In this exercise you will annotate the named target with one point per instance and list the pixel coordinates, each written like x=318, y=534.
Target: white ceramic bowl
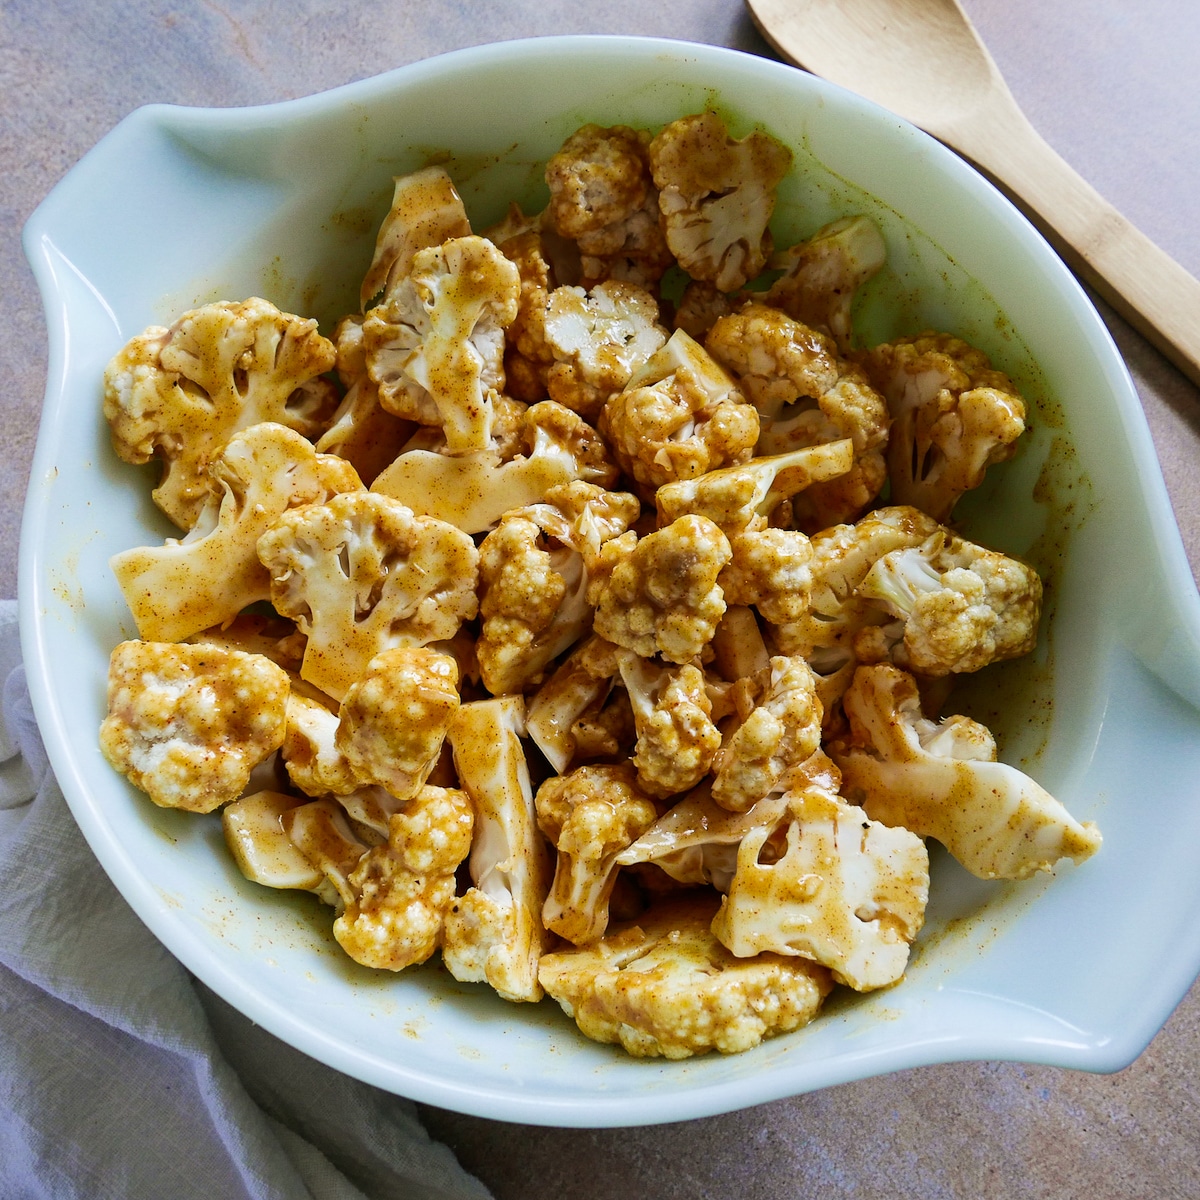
x=179, y=206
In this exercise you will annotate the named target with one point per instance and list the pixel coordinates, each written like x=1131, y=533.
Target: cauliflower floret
x=209, y=576
x=361, y=574
x=962, y=606
x=717, y=196
x=534, y=574
x=426, y=211
x=394, y=718
x=181, y=393
x=494, y=932
x=597, y=340
x=780, y=731
x=672, y=712
x=310, y=752
x=187, y=724
x=941, y=780
x=679, y=416
x=435, y=346
x=842, y=628
x=663, y=598
x=665, y=986
x=822, y=274
x=952, y=418
x=590, y=815
x=603, y=198
x=806, y=395
x=402, y=891
x=472, y=492
x=770, y=571
x=846, y=892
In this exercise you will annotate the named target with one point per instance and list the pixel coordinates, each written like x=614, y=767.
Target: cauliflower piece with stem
x=207, y=577
x=663, y=597
x=806, y=395
x=426, y=211
x=603, y=198
x=435, y=346
x=716, y=196
x=473, y=491
x=494, y=933
x=597, y=339
x=591, y=815
x=534, y=574
x=679, y=416
x=842, y=628
x=962, y=606
x=401, y=891
x=322, y=833
x=394, y=718
x=187, y=724
x=942, y=780
x=744, y=496
x=842, y=890
x=664, y=986
x=953, y=416
x=779, y=729
x=672, y=712
x=361, y=574
x=581, y=683
x=822, y=274
x=180, y=393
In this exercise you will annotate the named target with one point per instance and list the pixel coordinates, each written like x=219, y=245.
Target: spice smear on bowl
x=595, y=640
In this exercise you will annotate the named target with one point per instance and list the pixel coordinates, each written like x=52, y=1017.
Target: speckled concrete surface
x=1113, y=87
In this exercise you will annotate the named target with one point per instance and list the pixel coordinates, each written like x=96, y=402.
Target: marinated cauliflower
x=780, y=731
x=842, y=890
x=435, y=346
x=942, y=780
x=664, y=986
x=494, y=933
x=672, y=713
x=394, y=718
x=535, y=569
x=679, y=416
x=361, y=574
x=210, y=575
x=590, y=815
x=953, y=416
x=962, y=606
x=717, y=196
x=187, y=724
x=181, y=393
x=663, y=597
x=401, y=891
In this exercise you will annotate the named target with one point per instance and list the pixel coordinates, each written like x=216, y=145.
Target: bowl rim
x=1110, y=1053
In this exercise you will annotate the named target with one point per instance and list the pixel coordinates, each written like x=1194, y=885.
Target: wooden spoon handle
x=1141, y=281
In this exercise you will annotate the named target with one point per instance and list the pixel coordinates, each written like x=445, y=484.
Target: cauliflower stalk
x=494, y=933
x=942, y=780
x=591, y=815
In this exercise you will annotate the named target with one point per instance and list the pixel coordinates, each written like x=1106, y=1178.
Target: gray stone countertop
x=1114, y=88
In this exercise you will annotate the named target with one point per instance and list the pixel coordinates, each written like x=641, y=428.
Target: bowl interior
x=177, y=207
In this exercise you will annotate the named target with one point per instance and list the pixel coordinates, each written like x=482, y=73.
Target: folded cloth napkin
x=122, y=1076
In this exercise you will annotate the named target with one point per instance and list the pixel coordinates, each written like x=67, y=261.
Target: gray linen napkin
x=121, y=1076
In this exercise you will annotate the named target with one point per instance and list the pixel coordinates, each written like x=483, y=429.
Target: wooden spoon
x=924, y=60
